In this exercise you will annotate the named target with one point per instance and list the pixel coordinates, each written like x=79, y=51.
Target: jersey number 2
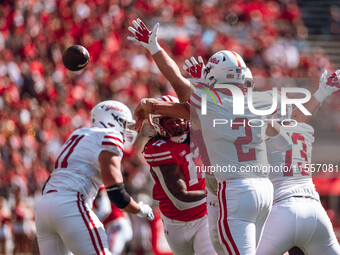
x=243, y=156
x=71, y=144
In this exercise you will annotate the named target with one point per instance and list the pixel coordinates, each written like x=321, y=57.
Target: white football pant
x=188, y=238
x=65, y=223
x=213, y=209
x=300, y=222
x=244, y=207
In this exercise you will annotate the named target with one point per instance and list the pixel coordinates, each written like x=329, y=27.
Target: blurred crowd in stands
x=41, y=102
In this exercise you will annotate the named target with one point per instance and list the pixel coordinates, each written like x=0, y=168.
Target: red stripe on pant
x=224, y=241
x=224, y=221
x=80, y=203
x=95, y=229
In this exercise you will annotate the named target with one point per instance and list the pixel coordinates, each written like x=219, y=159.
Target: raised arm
x=327, y=86
x=172, y=73
x=166, y=65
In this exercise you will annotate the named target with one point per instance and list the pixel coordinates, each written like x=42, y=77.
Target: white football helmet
x=159, y=124
x=225, y=67
x=114, y=114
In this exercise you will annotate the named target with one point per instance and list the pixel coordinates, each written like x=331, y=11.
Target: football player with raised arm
x=91, y=156
x=245, y=197
x=148, y=39
x=178, y=187
x=297, y=217
x=296, y=209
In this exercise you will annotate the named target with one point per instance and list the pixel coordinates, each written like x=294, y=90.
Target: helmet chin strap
x=179, y=139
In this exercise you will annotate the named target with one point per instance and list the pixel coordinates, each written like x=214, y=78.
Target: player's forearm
x=312, y=106
x=273, y=129
x=189, y=196
x=120, y=198
x=192, y=196
x=172, y=73
x=140, y=209
x=170, y=109
x=132, y=207
x=277, y=139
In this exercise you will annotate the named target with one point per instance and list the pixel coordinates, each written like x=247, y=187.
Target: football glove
x=195, y=69
x=144, y=36
x=327, y=85
x=145, y=211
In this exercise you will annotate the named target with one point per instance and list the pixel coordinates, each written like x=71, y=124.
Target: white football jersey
x=235, y=143
x=77, y=167
x=289, y=170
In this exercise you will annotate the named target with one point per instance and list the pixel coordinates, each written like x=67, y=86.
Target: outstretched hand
x=142, y=112
x=139, y=115
x=195, y=69
x=327, y=85
x=334, y=80
x=144, y=36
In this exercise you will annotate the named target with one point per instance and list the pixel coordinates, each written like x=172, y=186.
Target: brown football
x=76, y=57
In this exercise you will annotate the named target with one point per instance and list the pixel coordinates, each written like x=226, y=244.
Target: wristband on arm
x=118, y=195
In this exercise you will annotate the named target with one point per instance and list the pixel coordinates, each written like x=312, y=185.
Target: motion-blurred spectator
x=6, y=237
x=23, y=226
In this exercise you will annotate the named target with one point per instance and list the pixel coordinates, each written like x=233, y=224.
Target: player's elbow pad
x=118, y=195
x=280, y=142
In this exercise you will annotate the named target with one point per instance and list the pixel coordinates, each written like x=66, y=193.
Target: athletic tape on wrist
x=321, y=94
x=155, y=48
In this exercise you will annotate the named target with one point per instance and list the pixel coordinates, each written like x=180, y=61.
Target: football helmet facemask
x=116, y=115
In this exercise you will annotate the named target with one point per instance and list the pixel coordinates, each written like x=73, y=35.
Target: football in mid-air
x=76, y=57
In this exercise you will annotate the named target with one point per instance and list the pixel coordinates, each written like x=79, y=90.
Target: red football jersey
x=115, y=214
x=165, y=152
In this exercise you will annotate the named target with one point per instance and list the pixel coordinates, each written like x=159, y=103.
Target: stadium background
x=41, y=102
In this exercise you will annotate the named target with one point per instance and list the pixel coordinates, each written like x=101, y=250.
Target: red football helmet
x=176, y=129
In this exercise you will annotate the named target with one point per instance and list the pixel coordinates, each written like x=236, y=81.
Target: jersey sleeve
x=159, y=152
x=195, y=99
x=113, y=141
